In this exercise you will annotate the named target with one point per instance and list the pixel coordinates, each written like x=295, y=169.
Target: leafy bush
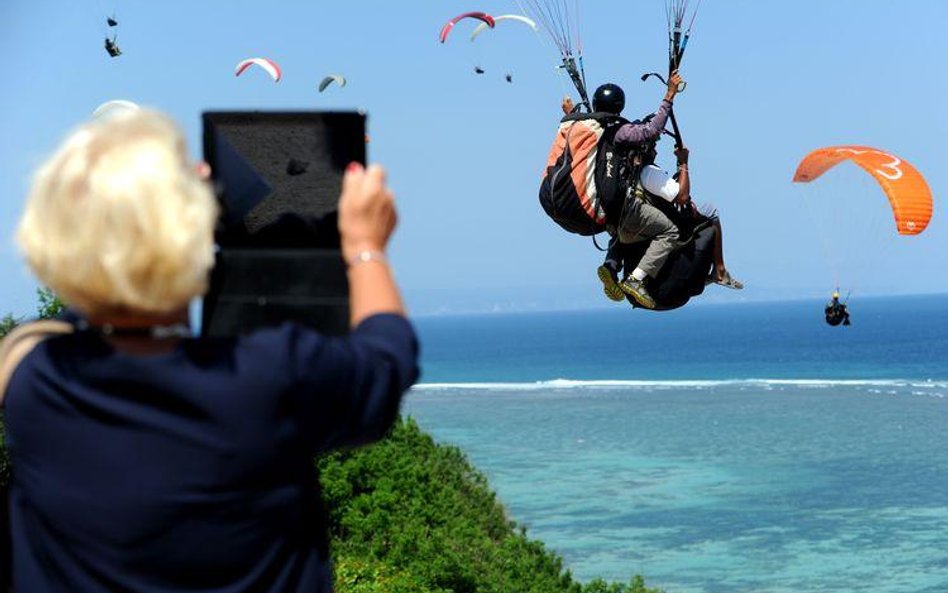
x=418, y=507
x=410, y=512
x=7, y=323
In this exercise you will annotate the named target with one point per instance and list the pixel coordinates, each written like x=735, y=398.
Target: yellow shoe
x=636, y=289
x=610, y=284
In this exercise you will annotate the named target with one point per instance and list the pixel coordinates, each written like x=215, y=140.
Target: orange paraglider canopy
x=908, y=193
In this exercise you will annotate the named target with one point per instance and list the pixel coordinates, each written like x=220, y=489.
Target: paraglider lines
x=555, y=18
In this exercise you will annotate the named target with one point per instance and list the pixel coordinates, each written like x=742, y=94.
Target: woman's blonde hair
x=118, y=220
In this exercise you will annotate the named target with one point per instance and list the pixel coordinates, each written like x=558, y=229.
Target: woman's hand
x=367, y=214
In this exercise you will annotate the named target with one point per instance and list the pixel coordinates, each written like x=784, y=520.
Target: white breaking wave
x=568, y=384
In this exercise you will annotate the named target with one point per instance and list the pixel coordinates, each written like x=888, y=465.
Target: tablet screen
x=279, y=175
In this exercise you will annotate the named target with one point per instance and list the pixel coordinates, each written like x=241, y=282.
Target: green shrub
x=410, y=509
x=422, y=510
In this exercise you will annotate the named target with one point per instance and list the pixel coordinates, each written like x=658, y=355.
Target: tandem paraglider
x=601, y=177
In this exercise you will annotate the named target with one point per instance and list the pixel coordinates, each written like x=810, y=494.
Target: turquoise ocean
x=720, y=448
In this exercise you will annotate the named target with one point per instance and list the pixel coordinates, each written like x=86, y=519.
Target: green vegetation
x=408, y=515
x=49, y=306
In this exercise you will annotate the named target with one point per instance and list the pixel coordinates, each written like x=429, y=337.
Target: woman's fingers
x=351, y=181
x=374, y=182
x=367, y=209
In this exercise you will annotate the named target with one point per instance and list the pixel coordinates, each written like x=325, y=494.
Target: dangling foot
x=724, y=279
x=610, y=283
x=636, y=289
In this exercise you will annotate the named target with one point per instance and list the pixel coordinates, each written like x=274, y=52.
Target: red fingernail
x=353, y=167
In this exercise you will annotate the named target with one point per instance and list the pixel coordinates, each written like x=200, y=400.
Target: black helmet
x=609, y=98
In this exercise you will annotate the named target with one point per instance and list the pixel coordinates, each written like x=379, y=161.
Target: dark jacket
x=191, y=470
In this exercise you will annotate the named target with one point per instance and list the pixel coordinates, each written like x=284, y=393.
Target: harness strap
x=21, y=341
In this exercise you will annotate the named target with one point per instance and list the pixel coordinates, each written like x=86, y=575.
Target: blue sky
x=768, y=81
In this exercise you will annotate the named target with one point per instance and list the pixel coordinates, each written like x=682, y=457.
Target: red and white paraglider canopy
x=481, y=16
x=271, y=67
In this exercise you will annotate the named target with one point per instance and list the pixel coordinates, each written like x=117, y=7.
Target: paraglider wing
x=908, y=193
x=337, y=78
x=481, y=16
x=504, y=17
x=269, y=66
x=115, y=107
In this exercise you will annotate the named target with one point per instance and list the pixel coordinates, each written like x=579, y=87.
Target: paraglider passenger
x=654, y=184
x=641, y=221
x=836, y=312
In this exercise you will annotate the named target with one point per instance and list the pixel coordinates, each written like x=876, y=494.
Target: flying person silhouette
x=836, y=312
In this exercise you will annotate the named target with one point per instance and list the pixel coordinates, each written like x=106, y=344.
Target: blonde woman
x=147, y=460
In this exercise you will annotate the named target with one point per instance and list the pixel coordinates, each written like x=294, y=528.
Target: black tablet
x=278, y=174
x=278, y=178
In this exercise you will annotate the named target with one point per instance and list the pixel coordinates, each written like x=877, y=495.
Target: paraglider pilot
x=112, y=48
x=835, y=311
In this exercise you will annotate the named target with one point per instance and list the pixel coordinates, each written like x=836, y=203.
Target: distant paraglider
x=114, y=107
x=111, y=44
x=481, y=16
x=907, y=191
x=337, y=78
x=479, y=70
x=835, y=312
x=509, y=78
x=268, y=66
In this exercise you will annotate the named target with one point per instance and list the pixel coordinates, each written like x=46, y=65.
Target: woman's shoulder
x=18, y=344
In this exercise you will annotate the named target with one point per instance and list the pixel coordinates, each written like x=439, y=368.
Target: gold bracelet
x=367, y=255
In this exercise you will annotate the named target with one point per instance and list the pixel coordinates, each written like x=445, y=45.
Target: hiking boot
x=636, y=289
x=610, y=283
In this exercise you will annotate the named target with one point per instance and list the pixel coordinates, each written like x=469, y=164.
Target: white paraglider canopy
x=115, y=107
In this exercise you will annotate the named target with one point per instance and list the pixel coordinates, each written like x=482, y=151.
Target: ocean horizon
x=734, y=448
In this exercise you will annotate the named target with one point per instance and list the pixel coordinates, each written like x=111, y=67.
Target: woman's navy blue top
x=190, y=470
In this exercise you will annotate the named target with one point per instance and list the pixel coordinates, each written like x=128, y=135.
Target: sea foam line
x=680, y=384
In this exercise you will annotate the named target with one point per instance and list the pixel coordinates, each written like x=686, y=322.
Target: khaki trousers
x=641, y=221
